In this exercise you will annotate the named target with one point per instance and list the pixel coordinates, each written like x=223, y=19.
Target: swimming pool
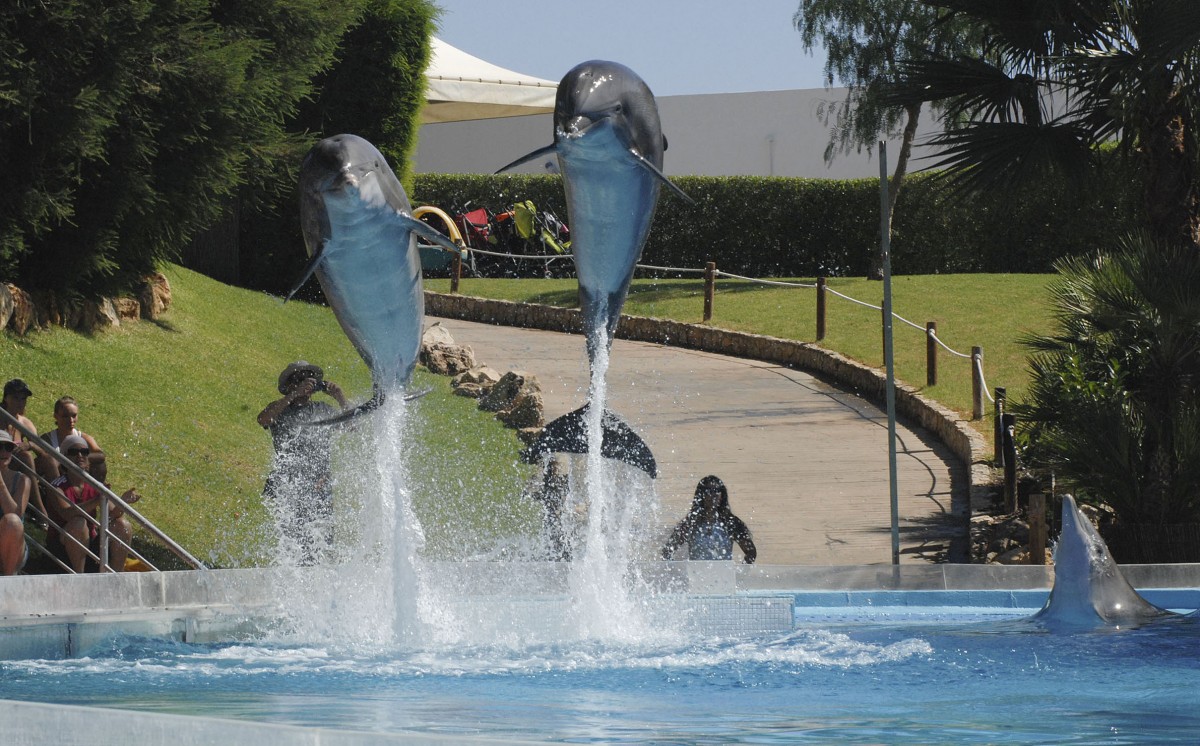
x=837, y=667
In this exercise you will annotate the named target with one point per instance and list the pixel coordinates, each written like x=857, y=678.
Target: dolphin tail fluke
x=568, y=434
x=662, y=177
x=308, y=271
x=539, y=153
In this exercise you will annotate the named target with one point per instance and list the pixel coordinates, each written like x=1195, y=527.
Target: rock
x=528, y=435
x=1016, y=556
x=481, y=375
x=24, y=314
x=525, y=412
x=127, y=308
x=6, y=305
x=504, y=393
x=472, y=390
x=155, y=296
x=97, y=315
x=441, y=355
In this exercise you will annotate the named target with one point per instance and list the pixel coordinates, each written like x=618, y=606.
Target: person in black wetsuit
x=299, y=489
x=710, y=527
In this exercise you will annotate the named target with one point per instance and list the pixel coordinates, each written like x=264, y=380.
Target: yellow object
x=451, y=228
x=132, y=564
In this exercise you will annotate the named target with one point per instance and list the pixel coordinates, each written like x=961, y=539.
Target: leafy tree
x=867, y=42
x=1114, y=408
x=1058, y=77
x=125, y=127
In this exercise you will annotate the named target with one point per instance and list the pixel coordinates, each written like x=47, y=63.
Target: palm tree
x=1057, y=78
x=1114, y=404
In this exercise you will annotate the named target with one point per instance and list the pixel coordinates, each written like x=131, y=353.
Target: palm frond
x=989, y=156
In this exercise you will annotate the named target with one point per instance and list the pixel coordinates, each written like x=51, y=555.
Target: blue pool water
x=854, y=678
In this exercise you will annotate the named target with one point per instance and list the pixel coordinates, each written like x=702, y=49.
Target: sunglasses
x=9, y=447
x=79, y=452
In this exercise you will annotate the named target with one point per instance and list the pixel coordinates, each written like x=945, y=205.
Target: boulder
x=481, y=378
x=127, y=308
x=24, y=314
x=6, y=305
x=155, y=296
x=97, y=315
x=525, y=411
x=506, y=390
x=441, y=355
x=472, y=390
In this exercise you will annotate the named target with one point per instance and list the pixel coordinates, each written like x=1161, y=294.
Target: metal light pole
x=885, y=232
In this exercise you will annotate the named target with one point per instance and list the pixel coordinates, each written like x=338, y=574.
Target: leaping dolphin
x=361, y=239
x=1089, y=589
x=609, y=143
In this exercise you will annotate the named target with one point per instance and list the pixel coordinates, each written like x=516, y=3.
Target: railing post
x=1010, y=463
x=456, y=272
x=998, y=413
x=930, y=353
x=104, y=514
x=820, y=308
x=977, y=383
x=1037, y=529
x=710, y=277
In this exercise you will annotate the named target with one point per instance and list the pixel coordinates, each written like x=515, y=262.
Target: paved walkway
x=805, y=462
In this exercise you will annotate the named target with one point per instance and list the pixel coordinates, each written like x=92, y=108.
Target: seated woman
x=710, y=527
x=14, y=497
x=71, y=488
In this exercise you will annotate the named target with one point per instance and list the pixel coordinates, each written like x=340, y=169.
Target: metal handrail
x=107, y=496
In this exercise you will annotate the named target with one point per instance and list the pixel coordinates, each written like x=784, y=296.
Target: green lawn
x=989, y=311
x=174, y=404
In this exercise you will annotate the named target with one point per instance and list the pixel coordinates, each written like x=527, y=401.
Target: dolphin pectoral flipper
x=540, y=152
x=568, y=434
x=661, y=176
x=370, y=405
x=309, y=268
x=429, y=233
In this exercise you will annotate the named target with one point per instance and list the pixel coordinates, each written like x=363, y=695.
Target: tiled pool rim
x=56, y=616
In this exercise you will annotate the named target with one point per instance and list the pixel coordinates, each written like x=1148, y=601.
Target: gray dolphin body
x=361, y=239
x=1089, y=589
x=609, y=143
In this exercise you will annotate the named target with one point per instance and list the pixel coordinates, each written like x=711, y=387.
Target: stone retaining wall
x=870, y=383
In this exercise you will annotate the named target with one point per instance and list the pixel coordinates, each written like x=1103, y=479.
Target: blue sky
x=678, y=46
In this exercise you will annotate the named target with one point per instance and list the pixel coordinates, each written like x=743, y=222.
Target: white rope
x=519, y=256
x=778, y=283
x=933, y=334
x=670, y=269
x=852, y=300
x=978, y=363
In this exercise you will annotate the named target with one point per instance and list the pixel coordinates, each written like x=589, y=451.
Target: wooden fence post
x=998, y=413
x=456, y=272
x=1010, y=463
x=710, y=276
x=931, y=353
x=976, y=383
x=820, y=308
x=1037, y=529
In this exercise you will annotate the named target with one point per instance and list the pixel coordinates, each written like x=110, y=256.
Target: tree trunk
x=913, y=111
x=1172, y=201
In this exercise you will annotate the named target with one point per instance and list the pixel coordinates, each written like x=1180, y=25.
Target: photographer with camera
x=299, y=490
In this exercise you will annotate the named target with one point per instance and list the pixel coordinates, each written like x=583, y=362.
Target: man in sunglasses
x=299, y=490
x=16, y=397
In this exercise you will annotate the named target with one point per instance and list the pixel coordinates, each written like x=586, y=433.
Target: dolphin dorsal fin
x=661, y=176
x=552, y=148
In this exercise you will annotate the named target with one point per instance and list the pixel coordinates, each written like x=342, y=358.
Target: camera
x=321, y=386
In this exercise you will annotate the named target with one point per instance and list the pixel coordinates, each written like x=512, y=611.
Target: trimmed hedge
x=789, y=227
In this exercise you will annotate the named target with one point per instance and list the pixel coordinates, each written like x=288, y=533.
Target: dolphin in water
x=609, y=143
x=361, y=240
x=1089, y=590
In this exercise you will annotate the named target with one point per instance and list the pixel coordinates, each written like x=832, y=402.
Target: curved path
x=806, y=462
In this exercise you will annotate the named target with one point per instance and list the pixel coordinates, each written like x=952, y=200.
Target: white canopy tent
x=462, y=87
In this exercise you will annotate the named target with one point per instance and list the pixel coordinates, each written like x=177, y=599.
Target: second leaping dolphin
x=361, y=239
x=609, y=143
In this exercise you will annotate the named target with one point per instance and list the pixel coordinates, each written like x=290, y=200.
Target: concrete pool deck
x=806, y=462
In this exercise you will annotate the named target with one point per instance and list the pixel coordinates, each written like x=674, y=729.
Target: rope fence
x=979, y=388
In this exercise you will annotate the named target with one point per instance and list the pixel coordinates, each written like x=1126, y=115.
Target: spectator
x=14, y=495
x=73, y=489
x=16, y=396
x=710, y=527
x=66, y=417
x=299, y=490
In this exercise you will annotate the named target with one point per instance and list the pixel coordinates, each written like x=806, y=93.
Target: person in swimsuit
x=72, y=488
x=710, y=527
x=14, y=496
x=299, y=489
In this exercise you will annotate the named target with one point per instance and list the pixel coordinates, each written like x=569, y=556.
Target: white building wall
x=772, y=133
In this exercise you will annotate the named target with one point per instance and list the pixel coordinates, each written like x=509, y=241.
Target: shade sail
x=462, y=87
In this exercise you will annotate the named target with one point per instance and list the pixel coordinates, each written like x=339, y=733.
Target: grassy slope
x=988, y=311
x=174, y=404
